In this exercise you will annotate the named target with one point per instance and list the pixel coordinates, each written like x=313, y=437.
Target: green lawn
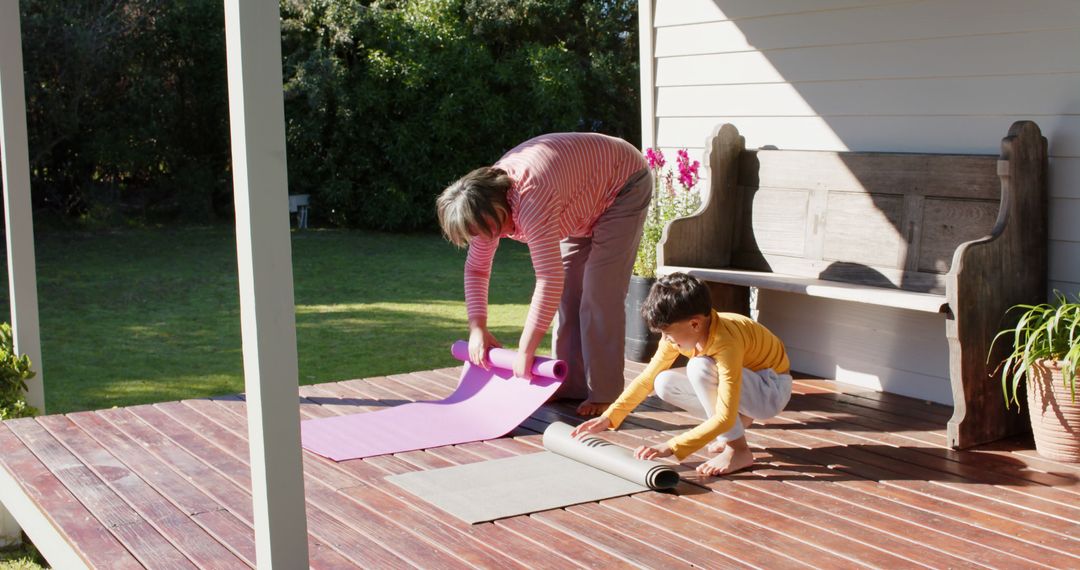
x=140, y=316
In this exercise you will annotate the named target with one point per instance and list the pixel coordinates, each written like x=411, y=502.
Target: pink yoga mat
x=486, y=404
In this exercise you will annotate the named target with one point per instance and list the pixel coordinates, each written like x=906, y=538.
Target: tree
x=386, y=101
x=127, y=108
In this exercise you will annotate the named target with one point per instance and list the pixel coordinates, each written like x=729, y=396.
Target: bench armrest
x=990, y=275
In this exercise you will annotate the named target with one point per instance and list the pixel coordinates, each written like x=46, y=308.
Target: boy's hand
x=593, y=426
x=653, y=451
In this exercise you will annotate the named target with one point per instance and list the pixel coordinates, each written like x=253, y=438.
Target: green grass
x=140, y=316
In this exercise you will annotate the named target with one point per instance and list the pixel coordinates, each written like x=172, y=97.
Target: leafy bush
x=386, y=101
x=127, y=109
x=14, y=372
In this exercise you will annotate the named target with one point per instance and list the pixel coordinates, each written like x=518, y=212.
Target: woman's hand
x=523, y=364
x=591, y=427
x=653, y=451
x=480, y=341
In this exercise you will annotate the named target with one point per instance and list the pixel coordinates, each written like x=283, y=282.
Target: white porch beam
x=22, y=277
x=257, y=122
x=43, y=532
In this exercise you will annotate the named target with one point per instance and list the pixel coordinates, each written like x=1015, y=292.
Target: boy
x=738, y=372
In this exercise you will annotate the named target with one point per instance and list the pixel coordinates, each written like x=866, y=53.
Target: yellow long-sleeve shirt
x=734, y=342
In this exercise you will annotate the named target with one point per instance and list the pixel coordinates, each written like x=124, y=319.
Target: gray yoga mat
x=570, y=472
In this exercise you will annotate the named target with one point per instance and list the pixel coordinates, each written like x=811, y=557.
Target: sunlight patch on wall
x=858, y=377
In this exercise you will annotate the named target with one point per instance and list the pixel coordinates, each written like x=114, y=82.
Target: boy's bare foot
x=733, y=458
x=589, y=408
x=718, y=446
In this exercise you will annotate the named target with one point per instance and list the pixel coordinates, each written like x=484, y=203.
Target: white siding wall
x=874, y=75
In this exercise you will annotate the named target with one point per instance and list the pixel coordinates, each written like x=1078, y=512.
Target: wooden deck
x=846, y=478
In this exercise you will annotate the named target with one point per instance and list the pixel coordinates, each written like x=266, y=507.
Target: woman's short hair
x=474, y=205
x=674, y=298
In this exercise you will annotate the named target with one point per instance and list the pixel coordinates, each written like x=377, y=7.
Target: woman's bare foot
x=589, y=408
x=736, y=455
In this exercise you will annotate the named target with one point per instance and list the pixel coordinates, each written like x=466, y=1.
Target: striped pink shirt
x=563, y=182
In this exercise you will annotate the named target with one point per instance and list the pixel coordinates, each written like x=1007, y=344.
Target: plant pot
x=640, y=341
x=1055, y=417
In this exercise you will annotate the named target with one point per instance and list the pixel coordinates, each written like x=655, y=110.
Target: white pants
x=763, y=394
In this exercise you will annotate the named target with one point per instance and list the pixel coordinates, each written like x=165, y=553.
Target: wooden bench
x=963, y=235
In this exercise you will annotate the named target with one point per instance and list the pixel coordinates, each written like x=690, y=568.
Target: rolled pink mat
x=486, y=404
x=503, y=358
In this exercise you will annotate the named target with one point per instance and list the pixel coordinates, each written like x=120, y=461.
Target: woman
x=578, y=200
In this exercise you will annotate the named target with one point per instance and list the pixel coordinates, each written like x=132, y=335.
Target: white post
x=22, y=278
x=257, y=117
x=647, y=65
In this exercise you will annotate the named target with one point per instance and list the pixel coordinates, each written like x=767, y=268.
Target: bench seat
x=898, y=298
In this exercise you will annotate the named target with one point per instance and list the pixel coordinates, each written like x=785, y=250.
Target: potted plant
x=674, y=196
x=14, y=372
x=1045, y=350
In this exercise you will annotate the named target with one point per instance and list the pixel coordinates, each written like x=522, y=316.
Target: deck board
x=845, y=478
x=173, y=523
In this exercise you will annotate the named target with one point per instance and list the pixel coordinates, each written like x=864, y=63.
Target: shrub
x=14, y=372
x=127, y=110
x=388, y=102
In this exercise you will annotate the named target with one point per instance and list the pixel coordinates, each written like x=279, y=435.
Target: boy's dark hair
x=674, y=298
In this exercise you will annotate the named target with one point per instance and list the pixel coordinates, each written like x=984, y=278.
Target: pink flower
x=668, y=203
x=688, y=173
x=655, y=158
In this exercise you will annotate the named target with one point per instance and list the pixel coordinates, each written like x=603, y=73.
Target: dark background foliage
x=385, y=102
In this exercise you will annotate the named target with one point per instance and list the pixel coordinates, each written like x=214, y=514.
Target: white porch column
x=22, y=276
x=257, y=117
x=647, y=62
x=22, y=279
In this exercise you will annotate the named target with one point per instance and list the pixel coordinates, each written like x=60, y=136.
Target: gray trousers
x=591, y=325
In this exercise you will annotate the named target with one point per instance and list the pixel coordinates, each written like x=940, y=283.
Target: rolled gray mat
x=570, y=472
x=608, y=457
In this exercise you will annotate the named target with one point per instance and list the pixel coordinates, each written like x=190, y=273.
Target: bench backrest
x=885, y=219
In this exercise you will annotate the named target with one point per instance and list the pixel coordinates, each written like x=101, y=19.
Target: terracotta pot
x=641, y=342
x=1055, y=417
